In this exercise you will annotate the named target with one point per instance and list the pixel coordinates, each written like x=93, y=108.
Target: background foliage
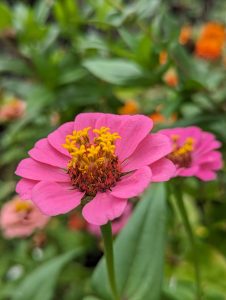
x=68, y=56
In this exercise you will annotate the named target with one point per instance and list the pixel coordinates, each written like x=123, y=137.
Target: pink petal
x=103, y=208
x=45, y=153
x=206, y=175
x=87, y=120
x=207, y=143
x=54, y=199
x=24, y=188
x=184, y=133
x=152, y=148
x=162, y=170
x=192, y=171
x=132, y=129
x=133, y=184
x=57, y=137
x=30, y=169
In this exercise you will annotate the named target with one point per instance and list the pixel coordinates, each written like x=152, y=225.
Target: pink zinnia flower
x=19, y=218
x=117, y=224
x=100, y=160
x=194, y=152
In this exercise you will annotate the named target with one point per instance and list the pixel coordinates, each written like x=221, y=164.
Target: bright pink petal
x=87, y=120
x=103, y=208
x=54, y=199
x=188, y=171
x=132, y=129
x=132, y=185
x=30, y=169
x=206, y=175
x=24, y=188
x=184, y=133
x=57, y=137
x=45, y=153
x=152, y=148
x=162, y=170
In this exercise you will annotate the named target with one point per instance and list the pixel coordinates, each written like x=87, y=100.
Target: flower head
x=185, y=34
x=12, y=110
x=98, y=161
x=211, y=41
x=194, y=152
x=163, y=57
x=129, y=108
x=171, y=78
x=21, y=218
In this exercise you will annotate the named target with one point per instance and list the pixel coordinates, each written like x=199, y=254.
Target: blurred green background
x=60, y=58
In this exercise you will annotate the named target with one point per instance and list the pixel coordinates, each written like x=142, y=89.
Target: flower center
x=94, y=166
x=181, y=154
x=23, y=206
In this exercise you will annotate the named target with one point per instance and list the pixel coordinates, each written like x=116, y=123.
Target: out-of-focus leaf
x=5, y=17
x=17, y=66
x=42, y=10
x=146, y=8
x=6, y=189
x=40, y=284
x=71, y=75
x=116, y=71
x=139, y=251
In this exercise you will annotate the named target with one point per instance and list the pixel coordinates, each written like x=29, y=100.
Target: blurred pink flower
x=19, y=218
x=194, y=152
x=117, y=224
x=13, y=109
x=104, y=157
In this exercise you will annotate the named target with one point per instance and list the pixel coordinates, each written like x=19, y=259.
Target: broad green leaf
x=40, y=284
x=116, y=71
x=139, y=251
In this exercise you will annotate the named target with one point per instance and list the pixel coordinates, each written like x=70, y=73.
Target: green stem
x=188, y=228
x=109, y=256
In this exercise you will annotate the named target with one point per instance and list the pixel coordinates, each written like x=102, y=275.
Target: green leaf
x=139, y=251
x=146, y=8
x=40, y=284
x=116, y=71
x=5, y=17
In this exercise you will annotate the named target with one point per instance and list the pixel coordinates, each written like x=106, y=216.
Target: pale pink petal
x=162, y=170
x=24, y=188
x=103, y=208
x=30, y=169
x=132, y=185
x=57, y=137
x=132, y=129
x=45, y=153
x=54, y=199
x=152, y=148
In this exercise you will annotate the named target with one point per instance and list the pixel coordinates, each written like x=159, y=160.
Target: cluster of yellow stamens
x=23, y=206
x=181, y=154
x=93, y=166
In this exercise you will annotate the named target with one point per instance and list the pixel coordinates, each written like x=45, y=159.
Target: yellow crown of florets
x=82, y=151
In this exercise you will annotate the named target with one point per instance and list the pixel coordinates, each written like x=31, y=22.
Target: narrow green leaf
x=139, y=251
x=40, y=284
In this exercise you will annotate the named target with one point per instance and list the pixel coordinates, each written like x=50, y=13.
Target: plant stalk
x=109, y=256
